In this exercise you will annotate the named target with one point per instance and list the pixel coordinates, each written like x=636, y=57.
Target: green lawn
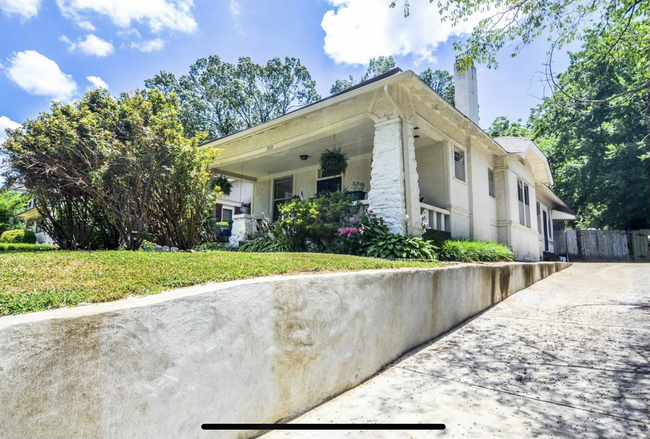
x=39, y=281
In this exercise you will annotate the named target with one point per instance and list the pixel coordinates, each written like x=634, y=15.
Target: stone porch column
x=412, y=181
x=392, y=191
x=242, y=227
x=386, y=197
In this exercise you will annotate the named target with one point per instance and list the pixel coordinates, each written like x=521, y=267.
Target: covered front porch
x=399, y=170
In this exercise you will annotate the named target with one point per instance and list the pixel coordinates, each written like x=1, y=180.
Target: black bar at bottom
x=323, y=426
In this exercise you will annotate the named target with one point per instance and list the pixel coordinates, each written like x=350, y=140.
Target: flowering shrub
x=369, y=236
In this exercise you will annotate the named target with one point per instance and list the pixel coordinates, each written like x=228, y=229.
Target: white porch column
x=242, y=227
x=412, y=182
x=387, y=192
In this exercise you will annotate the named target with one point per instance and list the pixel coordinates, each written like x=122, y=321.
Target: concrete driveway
x=567, y=357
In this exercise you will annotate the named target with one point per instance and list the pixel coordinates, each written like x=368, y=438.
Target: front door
x=545, y=231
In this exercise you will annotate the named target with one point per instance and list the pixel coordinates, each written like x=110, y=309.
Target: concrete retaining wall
x=260, y=350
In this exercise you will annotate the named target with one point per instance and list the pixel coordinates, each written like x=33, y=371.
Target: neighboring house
x=228, y=206
x=32, y=218
x=418, y=156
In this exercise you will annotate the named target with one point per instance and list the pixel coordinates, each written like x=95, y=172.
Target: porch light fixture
x=304, y=157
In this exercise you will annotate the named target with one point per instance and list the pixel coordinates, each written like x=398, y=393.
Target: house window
x=226, y=215
x=550, y=226
x=282, y=193
x=459, y=164
x=524, y=203
x=539, y=218
x=491, y=182
x=328, y=182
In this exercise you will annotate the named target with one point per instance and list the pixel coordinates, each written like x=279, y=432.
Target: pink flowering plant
x=358, y=235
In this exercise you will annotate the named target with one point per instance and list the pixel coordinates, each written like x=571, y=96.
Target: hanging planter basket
x=334, y=160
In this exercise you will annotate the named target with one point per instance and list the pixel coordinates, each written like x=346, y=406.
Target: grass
x=11, y=247
x=39, y=281
x=466, y=250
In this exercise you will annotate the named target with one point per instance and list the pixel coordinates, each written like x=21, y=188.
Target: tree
x=502, y=126
x=11, y=203
x=220, y=98
x=114, y=167
x=517, y=23
x=376, y=66
x=439, y=80
x=599, y=151
x=442, y=82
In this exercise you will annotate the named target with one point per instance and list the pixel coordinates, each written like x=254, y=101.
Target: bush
x=211, y=246
x=394, y=246
x=313, y=225
x=369, y=236
x=467, y=250
x=8, y=247
x=18, y=236
x=266, y=244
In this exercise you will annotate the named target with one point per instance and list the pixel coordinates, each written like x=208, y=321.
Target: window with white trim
x=524, y=203
x=282, y=193
x=459, y=164
x=539, y=218
x=491, y=182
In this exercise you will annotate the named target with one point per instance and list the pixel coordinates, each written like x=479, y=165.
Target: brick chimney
x=466, y=95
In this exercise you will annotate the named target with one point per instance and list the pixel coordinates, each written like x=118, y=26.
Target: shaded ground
x=567, y=357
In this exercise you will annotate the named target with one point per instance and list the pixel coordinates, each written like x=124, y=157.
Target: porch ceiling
x=354, y=141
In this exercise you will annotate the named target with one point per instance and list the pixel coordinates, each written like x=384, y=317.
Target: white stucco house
x=32, y=219
x=417, y=156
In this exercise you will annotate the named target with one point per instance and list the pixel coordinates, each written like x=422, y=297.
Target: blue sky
x=57, y=49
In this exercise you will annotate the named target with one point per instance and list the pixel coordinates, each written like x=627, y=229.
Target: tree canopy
x=440, y=80
x=502, y=126
x=514, y=24
x=598, y=151
x=106, y=171
x=376, y=67
x=220, y=98
x=11, y=203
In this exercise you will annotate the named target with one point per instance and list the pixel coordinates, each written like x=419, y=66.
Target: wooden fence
x=603, y=245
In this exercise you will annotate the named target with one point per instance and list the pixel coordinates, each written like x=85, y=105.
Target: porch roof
x=393, y=76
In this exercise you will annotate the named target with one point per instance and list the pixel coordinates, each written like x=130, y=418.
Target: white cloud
x=92, y=45
x=86, y=25
x=39, y=75
x=149, y=45
x=5, y=123
x=357, y=30
x=96, y=82
x=235, y=11
x=25, y=8
x=157, y=14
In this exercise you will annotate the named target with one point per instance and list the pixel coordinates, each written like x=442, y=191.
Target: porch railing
x=434, y=217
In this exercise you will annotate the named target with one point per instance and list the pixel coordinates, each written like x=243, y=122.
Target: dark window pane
x=328, y=185
x=283, y=188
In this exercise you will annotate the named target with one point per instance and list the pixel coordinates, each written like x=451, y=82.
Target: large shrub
x=113, y=169
x=313, y=224
x=466, y=250
x=18, y=236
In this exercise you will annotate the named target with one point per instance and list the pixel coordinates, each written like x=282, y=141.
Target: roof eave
x=311, y=108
